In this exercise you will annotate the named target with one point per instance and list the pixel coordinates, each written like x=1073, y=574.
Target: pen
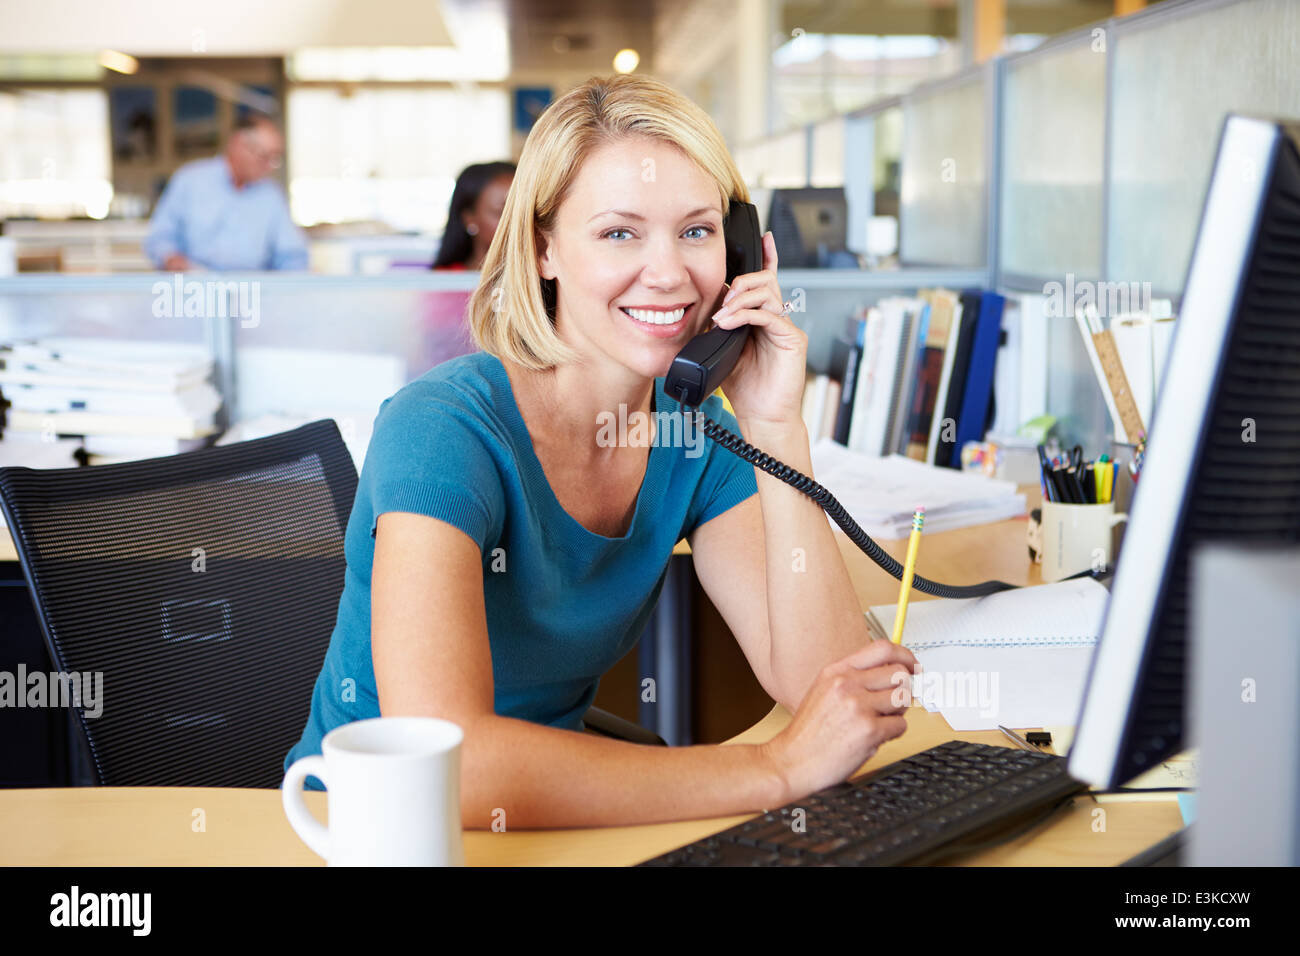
x=909, y=568
x=1065, y=481
x=1019, y=741
x=1044, y=466
x=1076, y=484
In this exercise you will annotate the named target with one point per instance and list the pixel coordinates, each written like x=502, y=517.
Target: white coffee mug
x=1077, y=538
x=394, y=794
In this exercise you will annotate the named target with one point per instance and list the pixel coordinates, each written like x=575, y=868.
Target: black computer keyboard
x=907, y=812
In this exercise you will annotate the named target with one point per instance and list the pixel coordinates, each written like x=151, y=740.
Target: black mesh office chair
x=204, y=587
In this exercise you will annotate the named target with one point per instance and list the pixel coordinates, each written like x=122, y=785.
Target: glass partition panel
x=1053, y=131
x=322, y=344
x=1168, y=107
x=828, y=158
x=316, y=346
x=139, y=307
x=887, y=160
x=785, y=161
x=283, y=345
x=944, y=180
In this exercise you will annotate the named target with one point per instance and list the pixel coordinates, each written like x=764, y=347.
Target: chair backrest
x=202, y=586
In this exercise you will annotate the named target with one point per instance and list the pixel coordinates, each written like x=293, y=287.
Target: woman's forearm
x=522, y=775
x=813, y=614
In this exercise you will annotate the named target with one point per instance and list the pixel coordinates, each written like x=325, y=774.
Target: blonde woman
x=503, y=553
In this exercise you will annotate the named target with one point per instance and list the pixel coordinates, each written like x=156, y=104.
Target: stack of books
x=122, y=399
x=913, y=377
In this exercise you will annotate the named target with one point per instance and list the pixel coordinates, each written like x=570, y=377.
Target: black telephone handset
x=708, y=359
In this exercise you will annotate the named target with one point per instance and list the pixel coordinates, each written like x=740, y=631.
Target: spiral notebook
x=1051, y=615
x=1019, y=658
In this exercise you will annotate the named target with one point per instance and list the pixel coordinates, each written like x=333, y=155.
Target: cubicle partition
x=1082, y=162
x=1050, y=222
x=946, y=165
x=1175, y=71
x=283, y=344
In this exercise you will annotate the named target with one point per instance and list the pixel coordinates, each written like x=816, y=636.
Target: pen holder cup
x=1076, y=538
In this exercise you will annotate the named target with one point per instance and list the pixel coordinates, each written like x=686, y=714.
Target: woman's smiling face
x=637, y=254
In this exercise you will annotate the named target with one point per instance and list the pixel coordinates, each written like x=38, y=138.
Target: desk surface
x=156, y=826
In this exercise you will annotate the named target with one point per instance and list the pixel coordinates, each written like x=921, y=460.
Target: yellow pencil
x=909, y=568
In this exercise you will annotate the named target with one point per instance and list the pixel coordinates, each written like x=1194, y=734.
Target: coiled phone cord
x=802, y=483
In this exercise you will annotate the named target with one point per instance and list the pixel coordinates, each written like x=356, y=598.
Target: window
x=390, y=155
x=55, y=163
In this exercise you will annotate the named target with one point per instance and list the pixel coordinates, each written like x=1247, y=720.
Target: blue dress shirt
x=205, y=218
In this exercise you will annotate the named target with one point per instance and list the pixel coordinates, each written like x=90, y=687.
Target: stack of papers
x=126, y=399
x=882, y=493
x=1018, y=658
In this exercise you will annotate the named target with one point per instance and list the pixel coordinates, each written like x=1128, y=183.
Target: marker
x=909, y=569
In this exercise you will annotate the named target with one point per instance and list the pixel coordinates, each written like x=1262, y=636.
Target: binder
x=979, y=376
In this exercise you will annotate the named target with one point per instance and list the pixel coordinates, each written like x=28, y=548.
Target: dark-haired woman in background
x=476, y=205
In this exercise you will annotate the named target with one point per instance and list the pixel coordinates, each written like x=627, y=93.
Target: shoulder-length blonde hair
x=512, y=312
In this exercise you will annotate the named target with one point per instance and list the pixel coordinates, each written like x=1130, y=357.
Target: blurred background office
x=892, y=146
x=384, y=102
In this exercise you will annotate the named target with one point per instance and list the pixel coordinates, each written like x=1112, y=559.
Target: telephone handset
x=706, y=361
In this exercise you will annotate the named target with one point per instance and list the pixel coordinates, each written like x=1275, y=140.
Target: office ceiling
x=933, y=17
x=577, y=35
x=545, y=35
x=218, y=27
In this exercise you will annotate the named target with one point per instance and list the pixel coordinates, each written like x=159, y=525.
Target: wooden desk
x=155, y=826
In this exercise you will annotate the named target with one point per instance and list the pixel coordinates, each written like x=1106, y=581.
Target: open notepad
x=1049, y=615
x=1019, y=658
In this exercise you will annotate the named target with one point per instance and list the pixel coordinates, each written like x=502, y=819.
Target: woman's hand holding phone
x=766, y=386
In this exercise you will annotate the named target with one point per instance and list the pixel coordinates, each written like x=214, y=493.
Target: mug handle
x=1116, y=519
x=308, y=828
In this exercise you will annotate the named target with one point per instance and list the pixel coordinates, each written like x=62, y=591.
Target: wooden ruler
x=1108, y=355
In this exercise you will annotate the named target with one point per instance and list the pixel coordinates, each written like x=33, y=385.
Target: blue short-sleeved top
x=563, y=604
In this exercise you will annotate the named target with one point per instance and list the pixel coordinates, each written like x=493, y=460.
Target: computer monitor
x=1223, y=459
x=810, y=227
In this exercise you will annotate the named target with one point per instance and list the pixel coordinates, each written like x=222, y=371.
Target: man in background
x=225, y=213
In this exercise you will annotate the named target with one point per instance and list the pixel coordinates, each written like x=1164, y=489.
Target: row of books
x=121, y=399
x=913, y=377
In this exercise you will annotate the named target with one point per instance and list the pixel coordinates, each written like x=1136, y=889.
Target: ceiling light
x=625, y=61
x=119, y=62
